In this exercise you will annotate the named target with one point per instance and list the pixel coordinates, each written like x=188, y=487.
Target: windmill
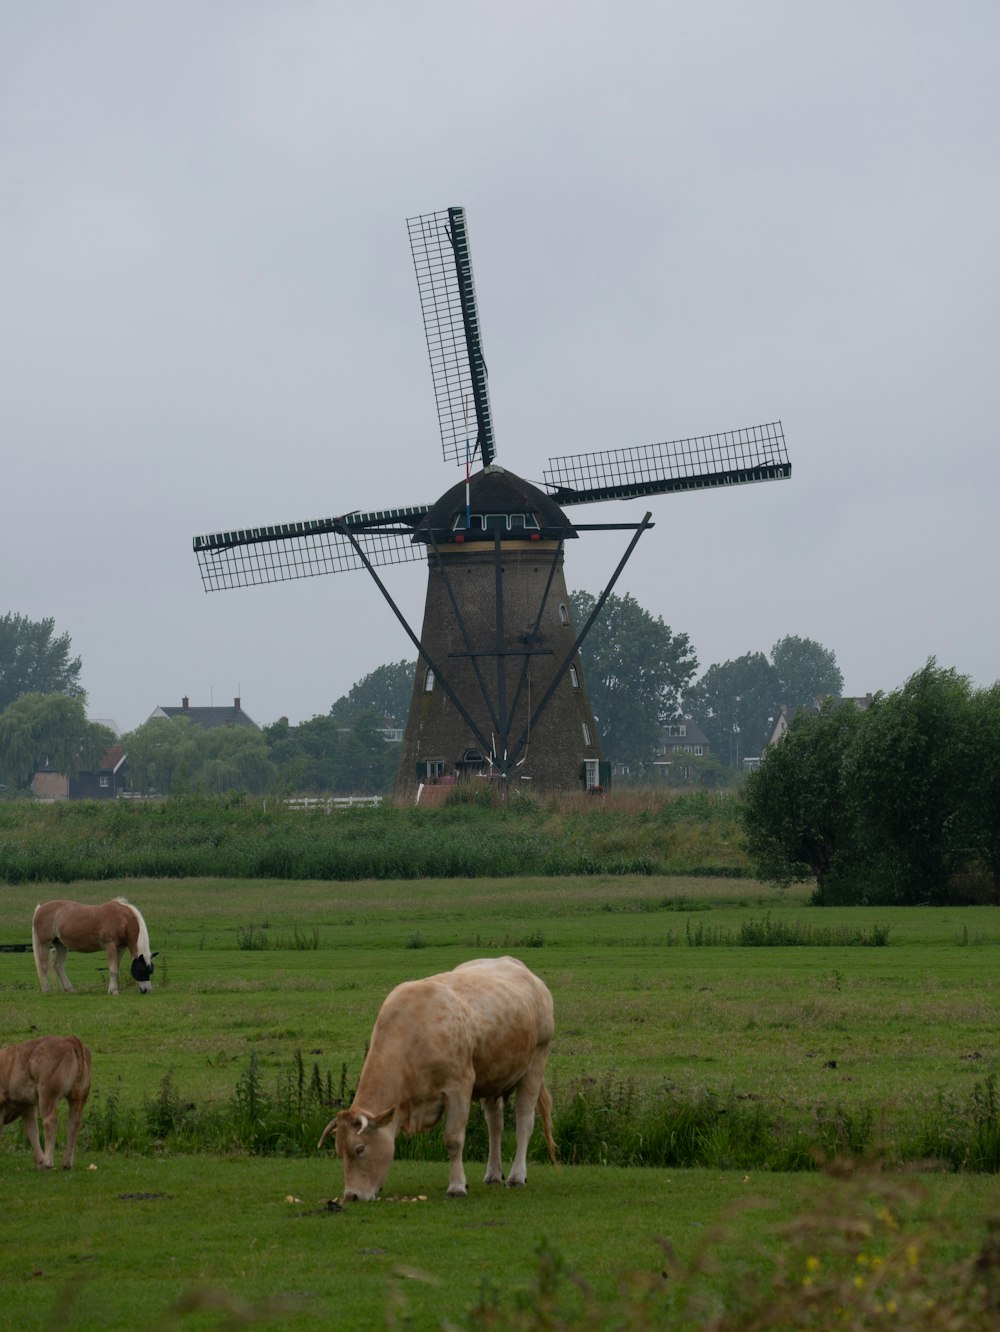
x=499, y=690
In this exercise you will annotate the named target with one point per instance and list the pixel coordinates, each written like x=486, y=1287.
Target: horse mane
x=142, y=939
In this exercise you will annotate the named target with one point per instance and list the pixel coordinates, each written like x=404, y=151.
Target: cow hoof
x=458, y=1193
x=493, y=1179
x=515, y=1183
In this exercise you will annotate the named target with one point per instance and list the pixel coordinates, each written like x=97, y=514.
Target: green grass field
x=655, y=999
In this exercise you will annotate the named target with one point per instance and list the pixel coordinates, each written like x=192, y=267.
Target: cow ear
x=152, y=955
x=380, y=1121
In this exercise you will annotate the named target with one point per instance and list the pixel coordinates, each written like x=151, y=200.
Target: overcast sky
x=684, y=218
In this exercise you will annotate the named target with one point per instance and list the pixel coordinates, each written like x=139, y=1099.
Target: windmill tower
x=499, y=691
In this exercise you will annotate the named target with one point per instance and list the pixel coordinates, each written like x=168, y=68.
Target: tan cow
x=34, y=1076
x=480, y=1032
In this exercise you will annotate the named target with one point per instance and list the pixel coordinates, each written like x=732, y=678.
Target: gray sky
x=684, y=219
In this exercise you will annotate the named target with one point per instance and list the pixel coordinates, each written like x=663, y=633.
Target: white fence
x=334, y=802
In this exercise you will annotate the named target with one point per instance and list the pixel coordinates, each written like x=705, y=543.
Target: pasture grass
x=183, y=1242
x=743, y=1056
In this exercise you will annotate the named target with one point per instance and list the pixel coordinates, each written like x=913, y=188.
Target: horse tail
x=545, y=1112
x=40, y=949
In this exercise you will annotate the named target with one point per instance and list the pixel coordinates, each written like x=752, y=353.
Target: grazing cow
x=34, y=1076
x=480, y=1032
x=116, y=927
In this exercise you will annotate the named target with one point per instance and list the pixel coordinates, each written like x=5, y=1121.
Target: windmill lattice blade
x=440, y=246
x=732, y=458
x=277, y=554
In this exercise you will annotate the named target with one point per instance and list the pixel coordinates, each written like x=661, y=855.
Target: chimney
x=185, y=702
x=236, y=703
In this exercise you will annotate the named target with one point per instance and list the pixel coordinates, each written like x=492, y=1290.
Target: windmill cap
x=496, y=491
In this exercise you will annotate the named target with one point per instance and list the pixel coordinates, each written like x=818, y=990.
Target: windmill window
x=574, y=679
x=563, y=613
x=586, y=734
x=492, y=522
x=429, y=681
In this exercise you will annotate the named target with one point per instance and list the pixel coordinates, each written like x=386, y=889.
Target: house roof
x=207, y=718
x=693, y=735
x=114, y=757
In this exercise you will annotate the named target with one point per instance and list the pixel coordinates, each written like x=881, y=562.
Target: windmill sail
x=731, y=458
x=440, y=246
x=276, y=554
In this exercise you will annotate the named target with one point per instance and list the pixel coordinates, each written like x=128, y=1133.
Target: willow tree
x=40, y=729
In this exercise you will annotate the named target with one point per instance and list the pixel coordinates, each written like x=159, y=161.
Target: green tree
x=366, y=762
x=796, y=818
x=386, y=691
x=735, y=704
x=53, y=728
x=306, y=755
x=34, y=661
x=233, y=758
x=636, y=671
x=806, y=671
x=908, y=779
x=322, y=756
x=162, y=755
x=980, y=816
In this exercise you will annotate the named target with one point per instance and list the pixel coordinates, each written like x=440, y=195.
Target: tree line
x=43, y=722
x=640, y=674
x=895, y=804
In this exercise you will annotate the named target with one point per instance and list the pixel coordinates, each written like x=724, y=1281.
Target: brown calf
x=34, y=1076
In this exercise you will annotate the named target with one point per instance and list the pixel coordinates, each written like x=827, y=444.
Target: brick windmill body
x=499, y=692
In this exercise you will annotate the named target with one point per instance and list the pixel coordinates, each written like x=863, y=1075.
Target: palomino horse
x=117, y=927
x=34, y=1076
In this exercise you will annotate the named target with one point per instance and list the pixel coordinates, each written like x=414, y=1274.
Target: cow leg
x=458, y=1101
x=61, y=954
x=48, y=1106
x=493, y=1114
x=41, y=952
x=114, y=958
x=524, y=1116
x=30, y=1121
x=76, y=1104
